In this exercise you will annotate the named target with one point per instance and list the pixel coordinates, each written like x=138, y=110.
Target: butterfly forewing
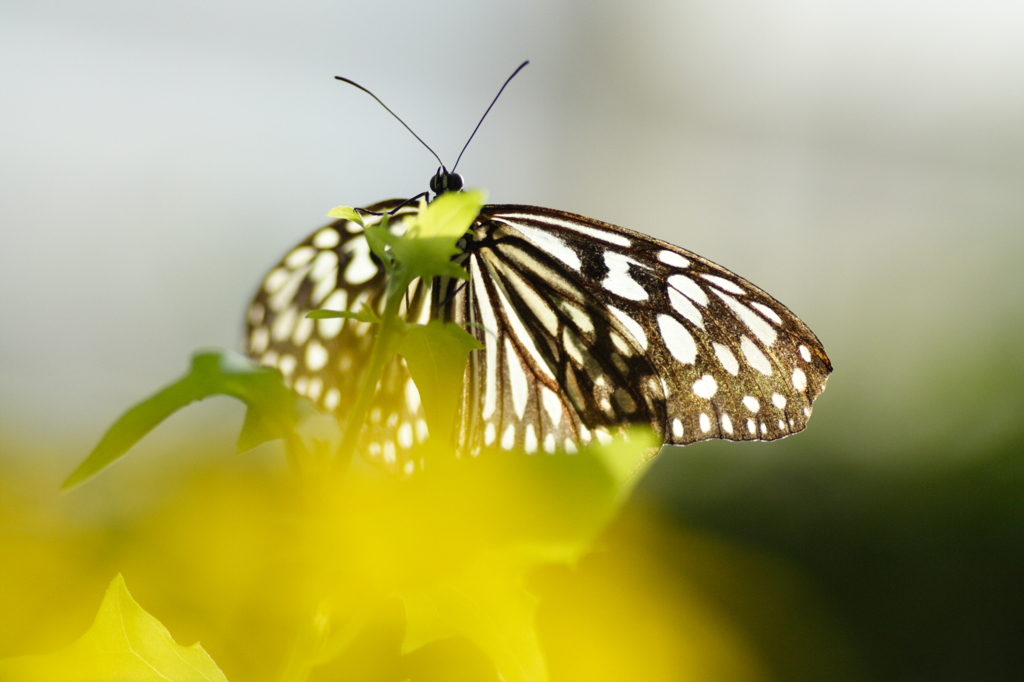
x=586, y=327
x=628, y=329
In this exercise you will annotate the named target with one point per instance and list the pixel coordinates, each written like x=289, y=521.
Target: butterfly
x=586, y=328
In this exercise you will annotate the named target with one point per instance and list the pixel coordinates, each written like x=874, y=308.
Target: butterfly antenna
x=507, y=81
x=353, y=83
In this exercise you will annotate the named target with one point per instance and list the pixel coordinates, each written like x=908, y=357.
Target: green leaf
x=124, y=643
x=436, y=356
x=379, y=237
x=427, y=248
x=347, y=213
x=449, y=216
x=274, y=410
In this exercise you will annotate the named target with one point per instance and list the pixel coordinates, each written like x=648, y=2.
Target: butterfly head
x=445, y=181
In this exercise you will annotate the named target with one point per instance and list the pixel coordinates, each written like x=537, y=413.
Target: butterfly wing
x=588, y=327
x=324, y=359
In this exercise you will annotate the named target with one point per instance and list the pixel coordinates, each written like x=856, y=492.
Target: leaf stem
x=383, y=350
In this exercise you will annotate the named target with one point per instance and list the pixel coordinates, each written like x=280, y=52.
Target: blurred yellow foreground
x=504, y=569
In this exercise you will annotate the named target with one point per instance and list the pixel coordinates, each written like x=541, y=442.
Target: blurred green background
x=862, y=161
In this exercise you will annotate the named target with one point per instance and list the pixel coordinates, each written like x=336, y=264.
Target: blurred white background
x=862, y=161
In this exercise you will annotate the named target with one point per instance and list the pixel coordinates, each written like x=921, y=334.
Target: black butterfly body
x=586, y=327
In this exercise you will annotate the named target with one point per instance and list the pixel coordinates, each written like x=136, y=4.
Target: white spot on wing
x=508, y=438
x=259, y=340
x=326, y=238
x=324, y=264
x=724, y=284
x=678, y=341
x=287, y=364
x=705, y=423
x=622, y=347
x=549, y=443
x=316, y=387
x=530, y=442
x=779, y=400
x=571, y=344
x=405, y=435
x=751, y=427
x=631, y=325
x=674, y=259
x=618, y=280
x=550, y=244
x=412, y=395
x=282, y=327
x=578, y=317
x=804, y=353
x=751, y=403
x=726, y=424
x=755, y=357
x=688, y=288
x=361, y=267
x=764, y=332
x=489, y=434
x=303, y=330
x=610, y=237
x=516, y=377
x=767, y=312
x=275, y=280
x=677, y=426
x=728, y=360
x=490, y=345
x=799, y=379
x=552, y=405
x=299, y=257
x=685, y=307
x=285, y=295
x=705, y=387
x=332, y=399
x=316, y=355
x=324, y=287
